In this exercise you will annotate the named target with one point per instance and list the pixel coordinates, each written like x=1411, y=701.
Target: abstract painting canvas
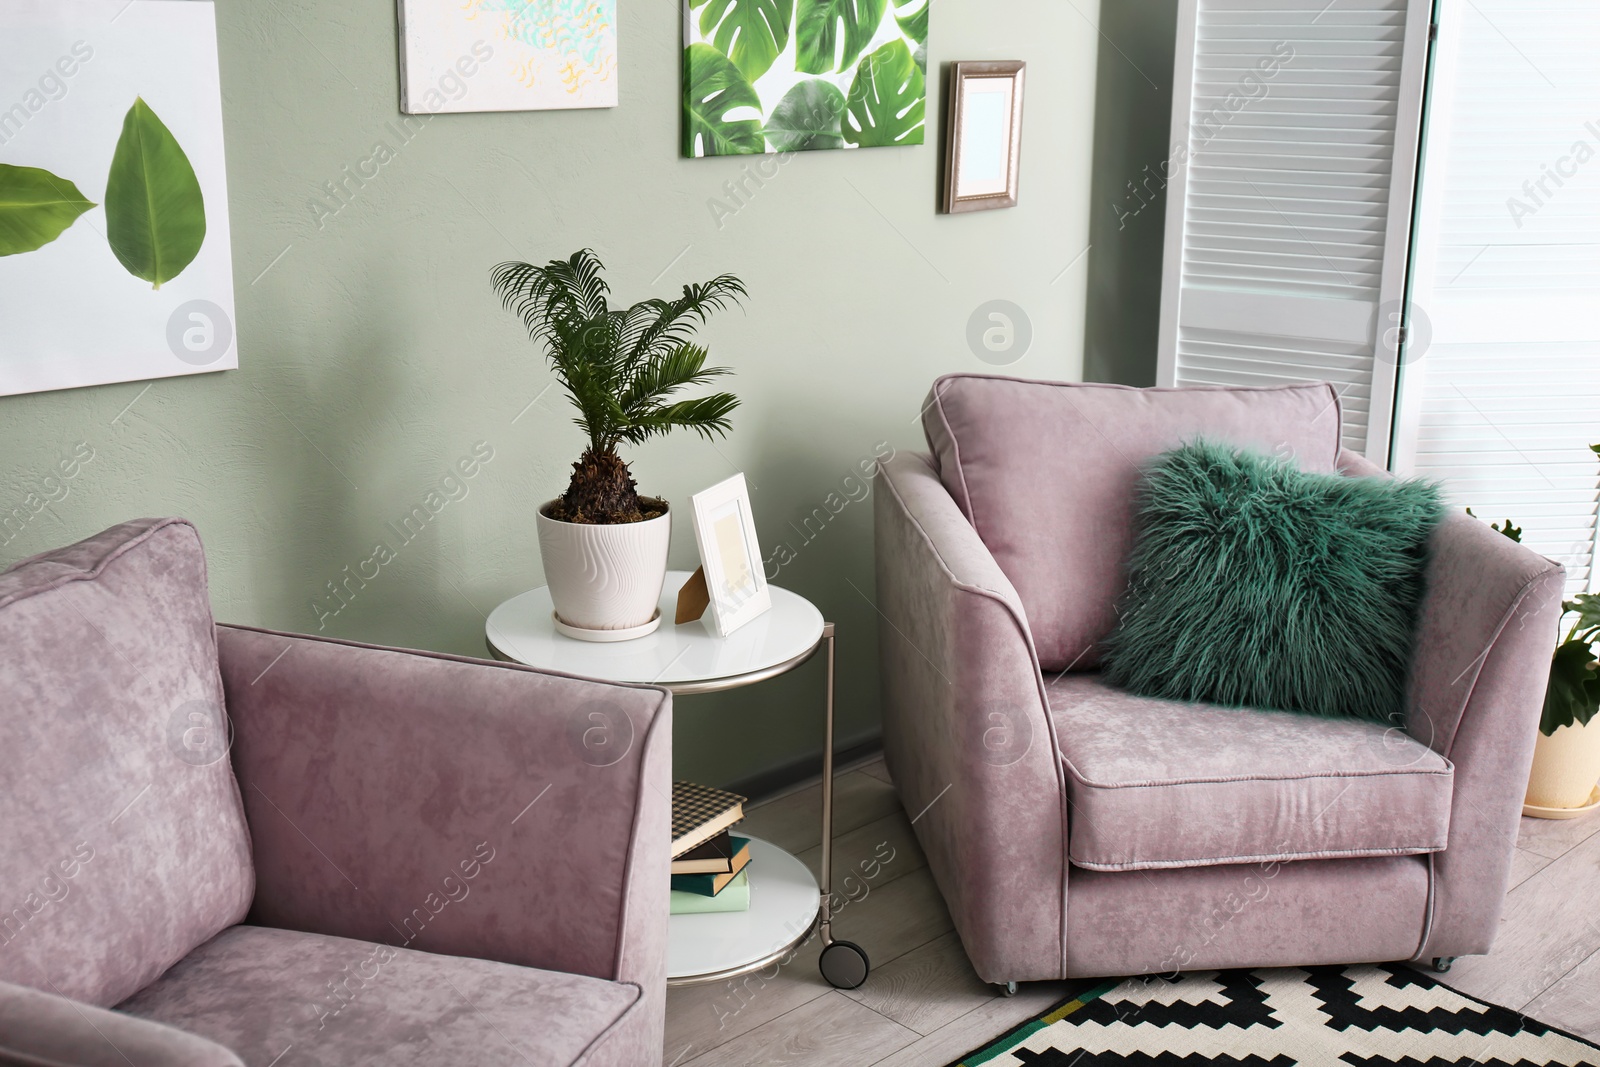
x=801, y=75
x=115, y=258
x=507, y=55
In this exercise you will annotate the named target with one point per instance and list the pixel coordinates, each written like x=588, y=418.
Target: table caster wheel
x=844, y=964
x=1442, y=964
x=1006, y=989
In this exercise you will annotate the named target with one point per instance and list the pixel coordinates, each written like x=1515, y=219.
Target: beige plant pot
x=605, y=581
x=1566, y=766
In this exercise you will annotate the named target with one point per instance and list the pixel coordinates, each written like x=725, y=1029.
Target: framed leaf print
x=115, y=263
x=763, y=76
x=507, y=55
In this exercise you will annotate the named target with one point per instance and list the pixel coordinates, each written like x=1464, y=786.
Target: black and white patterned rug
x=1366, y=1016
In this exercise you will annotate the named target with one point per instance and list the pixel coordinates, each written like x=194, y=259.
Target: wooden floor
x=924, y=1005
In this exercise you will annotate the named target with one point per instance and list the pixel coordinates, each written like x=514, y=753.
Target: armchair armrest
x=1487, y=628
x=454, y=805
x=1484, y=640
x=38, y=1029
x=968, y=736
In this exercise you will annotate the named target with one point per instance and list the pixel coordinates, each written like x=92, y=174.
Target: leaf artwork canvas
x=762, y=76
x=507, y=55
x=115, y=263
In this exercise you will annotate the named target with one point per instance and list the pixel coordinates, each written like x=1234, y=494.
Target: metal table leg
x=844, y=964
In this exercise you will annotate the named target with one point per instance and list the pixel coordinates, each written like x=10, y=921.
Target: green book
x=734, y=897
x=709, y=885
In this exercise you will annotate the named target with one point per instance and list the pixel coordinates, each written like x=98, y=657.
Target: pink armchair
x=1076, y=830
x=409, y=858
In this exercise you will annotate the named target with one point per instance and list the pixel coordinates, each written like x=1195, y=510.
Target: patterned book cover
x=700, y=812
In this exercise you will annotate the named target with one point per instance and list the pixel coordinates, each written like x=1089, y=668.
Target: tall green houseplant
x=1573, y=696
x=622, y=368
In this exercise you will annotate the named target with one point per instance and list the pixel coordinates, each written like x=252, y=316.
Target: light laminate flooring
x=923, y=1005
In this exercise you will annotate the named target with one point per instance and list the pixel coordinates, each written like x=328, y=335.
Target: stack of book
x=708, y=862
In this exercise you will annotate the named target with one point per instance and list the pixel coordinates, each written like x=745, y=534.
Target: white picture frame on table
x=725, y=533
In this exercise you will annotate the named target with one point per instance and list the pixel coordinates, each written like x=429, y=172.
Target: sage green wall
x=1133, y=116
x=374, y=355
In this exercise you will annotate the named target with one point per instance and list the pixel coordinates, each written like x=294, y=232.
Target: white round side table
x=786, y=903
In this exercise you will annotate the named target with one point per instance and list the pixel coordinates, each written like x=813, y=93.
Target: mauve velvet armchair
x=1079, y=831
x=393, y=857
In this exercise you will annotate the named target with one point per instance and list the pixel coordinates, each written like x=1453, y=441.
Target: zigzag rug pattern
x=1384, y=1015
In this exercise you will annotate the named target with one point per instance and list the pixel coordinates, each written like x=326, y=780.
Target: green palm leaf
x=621, y=368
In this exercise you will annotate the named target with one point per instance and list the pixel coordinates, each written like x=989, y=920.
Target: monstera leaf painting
x=802, y=75
x=155, y=213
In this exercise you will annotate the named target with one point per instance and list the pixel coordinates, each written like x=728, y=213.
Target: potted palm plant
x=1566, y=758
x=604, y=546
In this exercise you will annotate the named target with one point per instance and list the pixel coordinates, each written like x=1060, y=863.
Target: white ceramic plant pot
x=1566, y=766
x=605, y=581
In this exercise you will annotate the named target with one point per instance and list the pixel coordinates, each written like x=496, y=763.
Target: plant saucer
x=583, y=633
x=1535, y=811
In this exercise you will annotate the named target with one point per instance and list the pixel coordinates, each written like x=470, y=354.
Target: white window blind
x=1503, y=399
x=1294, y=133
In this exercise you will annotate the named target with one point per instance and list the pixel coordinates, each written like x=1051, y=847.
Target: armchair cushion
x=337, y=1002
x=1046, y=473
x=124, y=844
x=1162, y=783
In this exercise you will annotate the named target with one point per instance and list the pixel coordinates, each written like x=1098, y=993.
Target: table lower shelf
x=784, y=904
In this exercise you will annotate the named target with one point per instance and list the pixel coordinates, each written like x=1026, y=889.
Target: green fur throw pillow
x=1254, y=583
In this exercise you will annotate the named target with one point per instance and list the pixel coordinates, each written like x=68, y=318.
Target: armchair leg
x=1442, y=964
x=1006, y=989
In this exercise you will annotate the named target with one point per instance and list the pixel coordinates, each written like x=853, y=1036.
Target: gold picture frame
x=983, y=157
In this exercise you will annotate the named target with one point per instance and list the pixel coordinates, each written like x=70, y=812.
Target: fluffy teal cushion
x=1254, y=583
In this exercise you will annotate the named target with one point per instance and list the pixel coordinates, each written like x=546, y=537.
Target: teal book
x=709, y=885
x=735, y=896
